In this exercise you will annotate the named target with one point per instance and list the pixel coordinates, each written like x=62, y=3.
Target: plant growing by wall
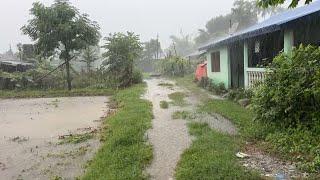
x=290, y=95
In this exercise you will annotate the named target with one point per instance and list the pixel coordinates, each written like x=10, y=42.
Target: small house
x=239, y=60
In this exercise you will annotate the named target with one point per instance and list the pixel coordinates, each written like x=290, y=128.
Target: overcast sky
x=144, y=17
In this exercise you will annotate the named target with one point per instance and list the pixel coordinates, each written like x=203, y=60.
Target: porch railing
x=256, y=75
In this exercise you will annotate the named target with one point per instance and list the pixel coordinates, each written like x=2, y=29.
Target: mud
x=169, y=137
x=29, y=136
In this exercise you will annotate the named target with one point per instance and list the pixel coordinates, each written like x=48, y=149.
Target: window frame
x=215, y=62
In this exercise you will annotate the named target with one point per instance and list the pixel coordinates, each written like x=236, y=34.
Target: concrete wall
x=224, y=75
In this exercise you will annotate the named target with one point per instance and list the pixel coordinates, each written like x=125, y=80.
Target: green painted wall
x=288, y=41
x=224, y=75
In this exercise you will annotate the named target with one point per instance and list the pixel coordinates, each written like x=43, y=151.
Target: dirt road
x=29, y=134
x=169, y=137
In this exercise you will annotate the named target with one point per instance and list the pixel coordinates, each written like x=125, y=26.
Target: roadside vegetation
x=124, y=153
x=181, y=115
x=283, y=115
x=211, y=156
x=56, y=93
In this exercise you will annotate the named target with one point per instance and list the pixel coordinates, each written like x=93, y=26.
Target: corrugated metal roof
x=270, y=25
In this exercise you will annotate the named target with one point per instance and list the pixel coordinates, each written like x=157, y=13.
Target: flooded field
x=48, y=137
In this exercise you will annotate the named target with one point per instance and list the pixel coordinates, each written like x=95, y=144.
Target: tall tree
x=89, y=55
x=152, y=49
x=61, y=27
x=243, y=13
x=181, y=46
x=268, y=3
x=122, y=51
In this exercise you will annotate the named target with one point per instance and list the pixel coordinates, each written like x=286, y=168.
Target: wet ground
x=30, y=131
x=170, y=137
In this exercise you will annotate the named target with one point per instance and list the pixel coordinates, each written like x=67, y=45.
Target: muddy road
x=29, y=138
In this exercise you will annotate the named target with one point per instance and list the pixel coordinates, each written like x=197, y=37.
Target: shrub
x=290, y=95
x=137, y=76
x=174, y=66
x=237, y=94
x=208, y=84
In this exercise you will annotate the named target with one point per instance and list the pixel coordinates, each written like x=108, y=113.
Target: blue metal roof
x=272, y=24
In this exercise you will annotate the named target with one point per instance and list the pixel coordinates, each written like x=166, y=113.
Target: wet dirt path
x=29, y=136
x=169, y=137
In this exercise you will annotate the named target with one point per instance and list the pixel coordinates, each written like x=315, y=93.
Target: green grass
x=211, y=156
x=178, y=98
x=124, y=153
x=164, y=104
x=181, y=115
x=55, y=93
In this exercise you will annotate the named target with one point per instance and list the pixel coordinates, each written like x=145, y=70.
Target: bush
x=174, y=66
x=237, y=94
x=137, y=76
x=290, y=95
x=208, y=84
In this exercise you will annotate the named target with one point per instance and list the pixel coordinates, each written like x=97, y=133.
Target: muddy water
x=169, y=137
x=29, y=135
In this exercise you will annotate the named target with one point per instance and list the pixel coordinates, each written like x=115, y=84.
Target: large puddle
x=29, y=132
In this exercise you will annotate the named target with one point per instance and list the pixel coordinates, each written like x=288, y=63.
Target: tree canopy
x=61, y=29
x=152, y=49
x=243, y=14
x=293, y=4
x=122, y=51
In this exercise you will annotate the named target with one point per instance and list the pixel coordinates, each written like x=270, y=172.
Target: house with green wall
x=239, y=60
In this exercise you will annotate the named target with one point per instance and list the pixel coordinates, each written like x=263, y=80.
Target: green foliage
x=181, y=115
x=164, y=104
x=124, y=153
x=60, y=27
x=76, y=138
x=290, y=95
x=122, y=51
x=237, y=94
x=244, y=13
x=137, y=76
x=89, y=55
x=174, y=66
x=211, y=86
x=211, y=156
x=267, y=3
x=178, y=98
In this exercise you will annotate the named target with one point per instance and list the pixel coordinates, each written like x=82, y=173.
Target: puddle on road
x=29, y=134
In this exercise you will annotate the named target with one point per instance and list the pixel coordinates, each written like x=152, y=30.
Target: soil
x=30, y=131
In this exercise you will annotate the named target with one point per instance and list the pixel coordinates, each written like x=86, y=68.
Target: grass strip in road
x=211, y=156
x=124, y=153
x=55, y=93
x=178, y=98
x=164, y=104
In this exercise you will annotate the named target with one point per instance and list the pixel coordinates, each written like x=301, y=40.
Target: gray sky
x=144, y=17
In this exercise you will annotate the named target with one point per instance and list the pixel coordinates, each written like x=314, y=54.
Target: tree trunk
x=68, y=74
